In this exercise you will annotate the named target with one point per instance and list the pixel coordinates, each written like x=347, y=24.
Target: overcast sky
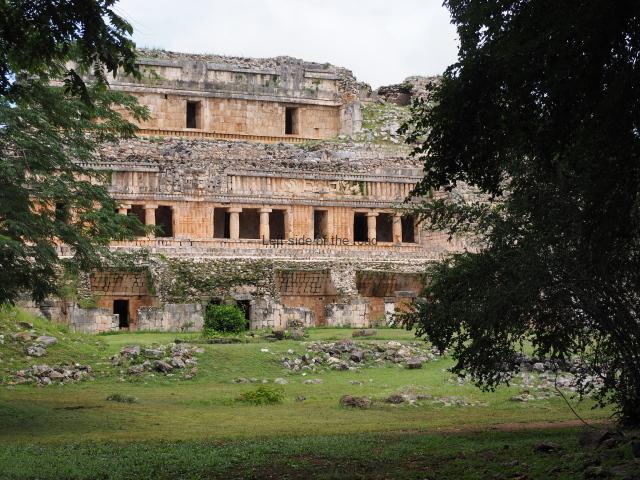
x=382, y=41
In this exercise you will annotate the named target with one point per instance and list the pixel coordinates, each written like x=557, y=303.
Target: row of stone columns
x=149, y=214
x=234, y=222
x=397, y=226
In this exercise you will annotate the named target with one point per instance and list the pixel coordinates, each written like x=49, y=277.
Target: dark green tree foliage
x=223, y=319
x=541, y=113
x=48, y=133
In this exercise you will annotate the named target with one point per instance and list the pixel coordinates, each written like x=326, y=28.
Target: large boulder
x=47, y=340
x=36, y=351
x=364, y=332
x=130, y=351
x=153, y=353
x=355, y=402
x=414, y=363
x=162, y=366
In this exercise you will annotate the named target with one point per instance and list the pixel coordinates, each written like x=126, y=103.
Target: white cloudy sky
x=382, y=41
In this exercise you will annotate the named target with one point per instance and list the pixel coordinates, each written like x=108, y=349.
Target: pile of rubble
x=165, y=359
x=347, y=355
x=43, y=375
x=35, y=345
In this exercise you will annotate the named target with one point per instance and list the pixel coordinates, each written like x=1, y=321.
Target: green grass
x=426, y=456
x=199, y=420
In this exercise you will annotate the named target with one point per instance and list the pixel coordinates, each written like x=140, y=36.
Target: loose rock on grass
x=347, y=355
x=164, y=359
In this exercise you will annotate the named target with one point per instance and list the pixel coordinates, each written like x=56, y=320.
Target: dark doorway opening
x=320, y=224
x=291, y=121
x=384, y=227
x=245, y=306
x=62, y=212
x=276, y=224
x=164, y=221
x=121, y=307
x=408, y=229
x=138, y=212
x=249, y=223
x=360, y=229
x=221, y=223
x=192, y=114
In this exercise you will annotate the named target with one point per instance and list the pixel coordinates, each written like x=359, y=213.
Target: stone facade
x=259, y=196
x=92, y=320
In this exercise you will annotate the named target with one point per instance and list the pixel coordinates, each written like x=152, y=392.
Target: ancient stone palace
x=277, y=184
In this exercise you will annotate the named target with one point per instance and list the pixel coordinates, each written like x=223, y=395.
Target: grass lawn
x=197, y=429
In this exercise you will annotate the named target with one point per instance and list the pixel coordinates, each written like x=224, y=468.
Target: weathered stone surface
x=130, y=351
x=36, y=351
x=23, y=336
x=355, y=402
x=47, y=340
x=364, y=332
x=414, y=363
x=162, y=366
x=153, y=353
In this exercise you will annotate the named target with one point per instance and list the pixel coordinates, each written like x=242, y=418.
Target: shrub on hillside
x=223, y=319
x=263, y=395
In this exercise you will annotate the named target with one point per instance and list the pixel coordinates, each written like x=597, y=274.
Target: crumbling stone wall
x=244, y=96
x=92, y=320
x=184, y=317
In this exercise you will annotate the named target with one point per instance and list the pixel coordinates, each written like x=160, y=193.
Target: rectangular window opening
x=250, y=223
x=138, y=212
x=408, y=229
x=193, y=111
x=360, y=229
x=164, y=221
x=384, y=227
x=320, y=224
x=276, y=224
x=291, y=121
x=221, y=223
x=62, y=212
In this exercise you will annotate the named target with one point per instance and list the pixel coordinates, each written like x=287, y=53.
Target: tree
x=48, y=134
x=541, y=116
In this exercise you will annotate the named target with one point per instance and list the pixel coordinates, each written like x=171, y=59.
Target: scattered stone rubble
x=164, y=359
x=36, y=346
x=43, y=375
x=539, y=378
x=347, y=355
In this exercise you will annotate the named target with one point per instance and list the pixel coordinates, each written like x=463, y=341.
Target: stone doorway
x=121, y=307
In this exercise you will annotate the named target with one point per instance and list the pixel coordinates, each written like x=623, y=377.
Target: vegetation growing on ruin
x=50, y=132
x=223, y=319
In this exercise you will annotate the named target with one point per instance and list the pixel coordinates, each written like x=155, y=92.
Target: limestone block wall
x=171, y=317
x=92, y=320
x=269, y=313
x=239, y=116
x=353, y=314
x=109, y=286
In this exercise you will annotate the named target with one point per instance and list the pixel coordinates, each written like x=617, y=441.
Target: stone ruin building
x=268, y=187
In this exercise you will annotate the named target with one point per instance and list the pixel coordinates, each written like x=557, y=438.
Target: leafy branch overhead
x=49, y=134
x=540, y=115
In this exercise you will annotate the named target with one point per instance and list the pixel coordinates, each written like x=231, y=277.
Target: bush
x=224, y=319
x=263, y=395
x=118, y=397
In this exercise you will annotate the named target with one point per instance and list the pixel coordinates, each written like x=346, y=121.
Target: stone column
x=264, y=223
x=123, y=208
x=150, y=217
x=397, y=228
x=234, y=222
x=371, y=225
